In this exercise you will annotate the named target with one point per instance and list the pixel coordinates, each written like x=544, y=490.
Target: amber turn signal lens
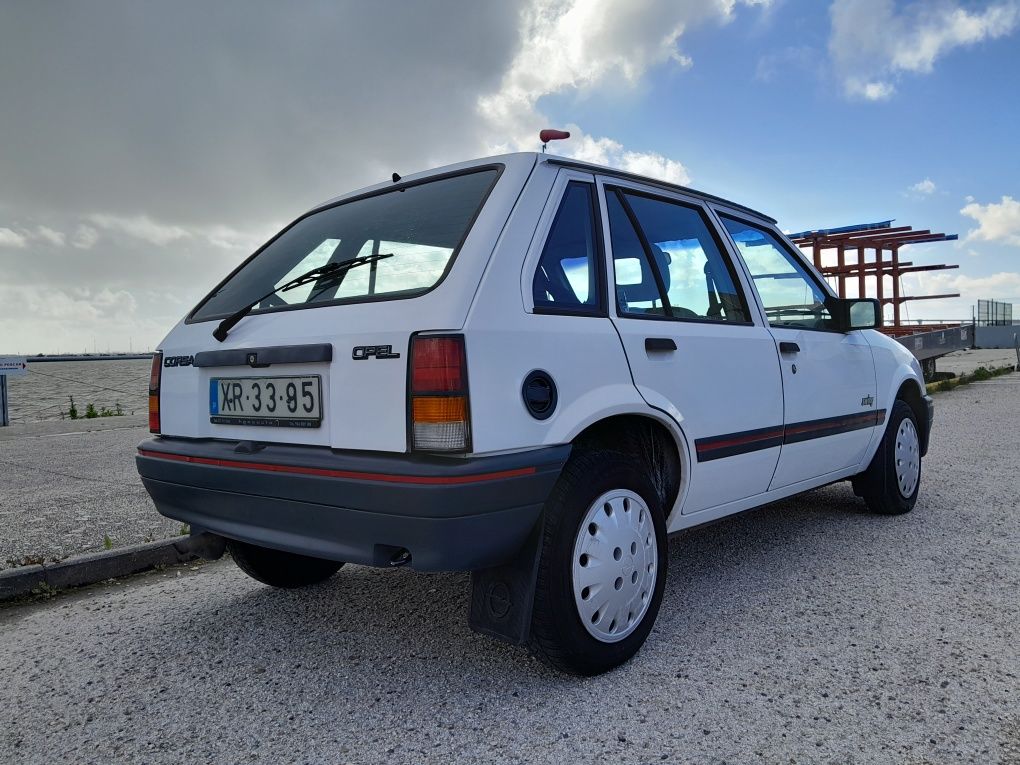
x=433, y=409
x=155, y=375
x=154, y=413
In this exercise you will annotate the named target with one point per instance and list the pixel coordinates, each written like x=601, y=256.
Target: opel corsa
x=530, y=368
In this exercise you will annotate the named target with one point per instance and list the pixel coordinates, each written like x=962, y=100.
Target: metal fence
x=992, y=313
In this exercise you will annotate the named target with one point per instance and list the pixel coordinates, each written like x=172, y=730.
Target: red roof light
x=552, y=135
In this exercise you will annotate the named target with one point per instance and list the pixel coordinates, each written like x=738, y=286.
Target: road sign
x=13, y=366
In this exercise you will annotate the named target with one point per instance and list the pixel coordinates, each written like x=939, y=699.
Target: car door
x=829, y=387
x=693, y=345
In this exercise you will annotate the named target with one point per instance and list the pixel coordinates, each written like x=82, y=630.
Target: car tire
x=278, y=568
x=588, y=619
x=890, y=484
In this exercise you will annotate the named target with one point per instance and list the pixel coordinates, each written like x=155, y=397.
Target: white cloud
x=227, y=238
x=71, y=318
x=950, y=28
x=878, y=91
x=997, y=221
x=85, y=237
x=606, y=151
x=50, y=235
x=76, y=304
x=155, y=232
x=873, y=41
x=927, y=186
x=11, y=238
x=1004, y=284
x=574, y=45
x=870, y=91
x=140, y=227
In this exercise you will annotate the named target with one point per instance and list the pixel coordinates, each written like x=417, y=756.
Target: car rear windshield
x=419, y=227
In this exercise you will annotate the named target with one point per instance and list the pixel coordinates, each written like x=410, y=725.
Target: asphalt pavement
x=68, y=486
x=809, y=631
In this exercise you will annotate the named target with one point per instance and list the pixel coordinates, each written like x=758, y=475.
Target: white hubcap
x=908, y=458
x=614, y=565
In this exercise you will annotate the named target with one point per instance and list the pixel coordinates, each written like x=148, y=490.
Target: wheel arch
x=654, y=439
x=911, y=393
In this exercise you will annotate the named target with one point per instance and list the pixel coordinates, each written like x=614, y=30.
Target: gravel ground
x=807, y=632
x=61, y=492
x=968, y=361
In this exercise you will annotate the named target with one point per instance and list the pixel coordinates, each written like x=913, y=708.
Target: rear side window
x=568, y=275
x=420, y=228
x=672, y=265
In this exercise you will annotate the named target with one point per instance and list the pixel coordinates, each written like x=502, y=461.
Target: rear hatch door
x=326, y=364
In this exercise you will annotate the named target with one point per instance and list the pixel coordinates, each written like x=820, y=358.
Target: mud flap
x=502, y=597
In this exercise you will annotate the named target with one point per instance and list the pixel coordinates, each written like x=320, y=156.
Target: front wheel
x=891, y=482
x=602, y=569
x=278, y=568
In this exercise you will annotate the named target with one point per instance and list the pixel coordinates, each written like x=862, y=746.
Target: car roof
x=623, y=174
x=534, y=158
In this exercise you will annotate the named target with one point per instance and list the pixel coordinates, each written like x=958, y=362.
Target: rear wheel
x=891, y=482
x=603, y=565
x=280, y=569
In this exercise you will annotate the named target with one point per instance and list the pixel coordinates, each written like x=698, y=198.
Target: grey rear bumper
x=450, y=514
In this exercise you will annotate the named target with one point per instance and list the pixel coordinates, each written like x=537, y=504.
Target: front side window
x=567, y=277
x=790, y=296
x=420, y=227
x=678, y=270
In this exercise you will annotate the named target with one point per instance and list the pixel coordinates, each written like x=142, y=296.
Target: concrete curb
x=109, y=564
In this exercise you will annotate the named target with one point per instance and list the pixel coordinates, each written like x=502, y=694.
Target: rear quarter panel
x=582, y=354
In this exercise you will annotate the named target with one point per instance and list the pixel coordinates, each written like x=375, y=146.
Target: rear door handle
x=789, y=348
x=660, y=344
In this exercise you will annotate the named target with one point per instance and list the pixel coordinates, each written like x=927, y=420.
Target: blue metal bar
x=843, y=229
x=945, y=238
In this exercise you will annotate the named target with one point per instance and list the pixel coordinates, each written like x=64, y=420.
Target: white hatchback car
x=531, y=368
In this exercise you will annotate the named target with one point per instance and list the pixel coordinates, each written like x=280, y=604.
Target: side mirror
x=860, y=313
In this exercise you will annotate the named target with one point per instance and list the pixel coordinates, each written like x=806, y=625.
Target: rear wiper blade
x=328, y=273
x=335, y=279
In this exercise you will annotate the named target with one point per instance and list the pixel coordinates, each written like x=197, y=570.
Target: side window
x=692, y=279
x=567, y=277
x=792, y=298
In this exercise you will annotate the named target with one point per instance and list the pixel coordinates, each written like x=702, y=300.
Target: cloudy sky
x=145, y=148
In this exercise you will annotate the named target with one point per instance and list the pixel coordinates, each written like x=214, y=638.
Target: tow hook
x=401, y=558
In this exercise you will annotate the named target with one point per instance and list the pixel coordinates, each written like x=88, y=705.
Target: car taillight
x=439, y=395
x=154, y=377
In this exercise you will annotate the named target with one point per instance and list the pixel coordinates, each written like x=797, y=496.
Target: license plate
x=288, y=402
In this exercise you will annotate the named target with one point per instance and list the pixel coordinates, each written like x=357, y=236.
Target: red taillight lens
x=438, y=396
x=437, y=365
x=155, y=372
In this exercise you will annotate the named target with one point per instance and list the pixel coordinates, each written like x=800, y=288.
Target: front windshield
x=420, y=226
